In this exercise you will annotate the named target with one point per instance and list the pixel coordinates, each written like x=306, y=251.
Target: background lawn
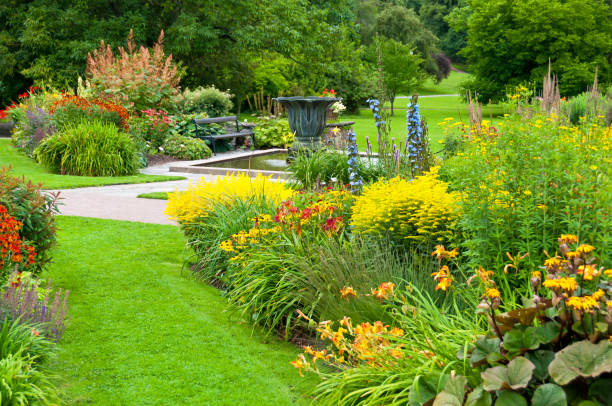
x=144, y=333
x=22, y=165
x=450, y=85
x=433, y=109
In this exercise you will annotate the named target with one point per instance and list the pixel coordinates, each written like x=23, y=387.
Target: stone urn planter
x=307, y=118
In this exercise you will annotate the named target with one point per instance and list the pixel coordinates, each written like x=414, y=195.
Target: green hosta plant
x=273, y=133
x=555, y=350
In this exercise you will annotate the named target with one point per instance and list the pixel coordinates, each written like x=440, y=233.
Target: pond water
x=269, y=162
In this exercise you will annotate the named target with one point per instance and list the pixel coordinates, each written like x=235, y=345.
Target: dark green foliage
x=403, y=25
x=510, y=42
x=22, y=377
x=49, y=40
x=89, y=149
x=272, y=133
x=35, y=209
x=187, y=148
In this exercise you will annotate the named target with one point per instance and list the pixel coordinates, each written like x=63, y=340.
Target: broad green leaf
x=483, y=348
x=453, y=393
x=548, y=332
x=518, y=340
x=514, y=376
x=509, y=398
x=581, y=359
x=601, y=390
x=549, y=395
x=541, y=359
x=422, y=390
x=479, y=397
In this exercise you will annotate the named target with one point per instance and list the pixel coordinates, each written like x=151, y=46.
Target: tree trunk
x=392, y=100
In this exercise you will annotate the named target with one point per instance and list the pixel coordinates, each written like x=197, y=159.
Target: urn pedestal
x=307, y=119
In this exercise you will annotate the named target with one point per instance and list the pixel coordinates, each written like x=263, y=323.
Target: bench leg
x=212, y=144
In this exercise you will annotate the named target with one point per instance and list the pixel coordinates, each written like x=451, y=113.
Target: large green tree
x=402, y=72
x=511, y=41
x=217, y=41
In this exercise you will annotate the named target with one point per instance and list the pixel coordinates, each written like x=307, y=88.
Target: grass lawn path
x=144, y=333
x=22, y=165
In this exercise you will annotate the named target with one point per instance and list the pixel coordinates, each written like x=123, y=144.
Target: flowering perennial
x=14, y=252
x=421, y=209
x=198, y=200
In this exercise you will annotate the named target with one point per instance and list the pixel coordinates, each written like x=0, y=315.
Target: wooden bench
x=236, y=130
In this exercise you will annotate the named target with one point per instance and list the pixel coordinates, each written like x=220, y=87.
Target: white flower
x=161, y=149
x=338, y=107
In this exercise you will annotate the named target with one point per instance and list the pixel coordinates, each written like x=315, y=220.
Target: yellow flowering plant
x=556, y=346
x=197, y=201
x=519, y=190
x=420, y=210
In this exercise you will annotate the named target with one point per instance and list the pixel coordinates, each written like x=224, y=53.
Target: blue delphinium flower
x=355, y=179
x=414, y=141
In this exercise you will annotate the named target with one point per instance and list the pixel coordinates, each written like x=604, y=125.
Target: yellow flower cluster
x=199, y=199
x=420, y=209
x=567, y=284
x=240, y=240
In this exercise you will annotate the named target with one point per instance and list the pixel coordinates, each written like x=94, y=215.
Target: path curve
x=121, y=202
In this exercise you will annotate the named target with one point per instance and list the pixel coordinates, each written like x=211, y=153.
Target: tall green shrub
x=208, y=100
x=89, y=149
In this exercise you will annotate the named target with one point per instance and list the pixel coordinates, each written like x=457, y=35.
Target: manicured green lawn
x=154, y=195
x=22, y=165
x=433, y=109
x=450, y=85
x=144, y=333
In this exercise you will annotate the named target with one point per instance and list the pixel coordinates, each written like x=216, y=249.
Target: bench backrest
x=215, y=120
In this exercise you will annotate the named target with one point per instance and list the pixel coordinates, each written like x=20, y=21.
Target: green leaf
x=509, y=398
x=581, y=359
x=483, y=348
x=541, y=359
x=479, y=397
x=453, y=393
x=422, y=390
x=517, y=340
x=548, y=332
x=514, y=376
x=601, y=390
x=549, y=395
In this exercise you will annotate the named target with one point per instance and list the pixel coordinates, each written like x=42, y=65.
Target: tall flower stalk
x=417, y=144
x=355, y=179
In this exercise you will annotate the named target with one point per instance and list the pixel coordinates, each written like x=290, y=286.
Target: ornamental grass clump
x=89, y=149
x=420, y=210
x=196, y=202
x=264, y=281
